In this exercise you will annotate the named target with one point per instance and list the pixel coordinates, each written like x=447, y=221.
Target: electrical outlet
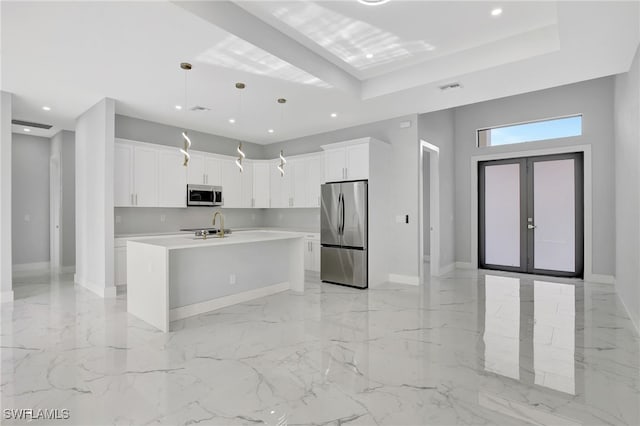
x=232, y=279
x=118, y=219
x=27, y=218
x=163, y=218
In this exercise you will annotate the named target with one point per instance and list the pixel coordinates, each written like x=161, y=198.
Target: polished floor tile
x=468, y=348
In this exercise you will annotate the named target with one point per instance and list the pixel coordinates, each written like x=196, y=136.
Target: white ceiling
x=69, y=55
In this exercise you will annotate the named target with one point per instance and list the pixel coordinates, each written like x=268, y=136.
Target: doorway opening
x=531, y=215
x=429, y=207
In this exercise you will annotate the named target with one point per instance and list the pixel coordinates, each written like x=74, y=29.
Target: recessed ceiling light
x=334, y=115
x=496, y=12
x=46, y=108
x=232, y=120
x=26, y=130
x=270, y=130
x=178, y=106
x=369, y=55
x=372, y=2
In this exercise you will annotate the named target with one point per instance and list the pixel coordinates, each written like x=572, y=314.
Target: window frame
x=559, y=117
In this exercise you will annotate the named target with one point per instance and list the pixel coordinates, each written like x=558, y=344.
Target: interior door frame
x=527, y=209
x=500, y=153
x=55, y=213
x=434, y=210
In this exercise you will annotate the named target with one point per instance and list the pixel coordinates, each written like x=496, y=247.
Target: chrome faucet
x=221, y=233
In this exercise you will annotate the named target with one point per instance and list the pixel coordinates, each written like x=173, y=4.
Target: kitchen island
x=170, y=278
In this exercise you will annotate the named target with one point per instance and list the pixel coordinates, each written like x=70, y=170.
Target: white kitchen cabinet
x=298, y=170
x=346, y=160
x=261, y=184
x=123, y=176
x=172, y=179
x=314, y=168
x=335, y=162
x=145, y=176
x=357, y=162
x=312, y=253
x=195, y=169
x=246, y=180
x=212, y=171
x=280, y=186
x=231, y=180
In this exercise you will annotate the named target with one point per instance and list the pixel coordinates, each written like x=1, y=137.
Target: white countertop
x=176, y=242
x=233, y=230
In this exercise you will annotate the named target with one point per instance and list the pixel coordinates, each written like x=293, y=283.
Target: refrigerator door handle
x=339, y=213
x=342, y=217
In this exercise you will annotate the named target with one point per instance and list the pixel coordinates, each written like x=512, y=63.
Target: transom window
x=540, y=130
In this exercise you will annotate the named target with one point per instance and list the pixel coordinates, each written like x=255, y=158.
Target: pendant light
x=283, y=161
x=241, y=155
x=185, y=139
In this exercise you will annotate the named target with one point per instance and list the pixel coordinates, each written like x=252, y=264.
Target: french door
x=531, y=215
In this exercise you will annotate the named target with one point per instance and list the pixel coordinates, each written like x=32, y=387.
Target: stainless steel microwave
x=204, y=195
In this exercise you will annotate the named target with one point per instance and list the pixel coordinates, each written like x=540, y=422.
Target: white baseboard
x=447, y=268
x=6, y=296
x=98, y=289
x=464, y=265
x=404, y=279
x=64, y=269
x=221, y=302
x=600, y=278
x=29, y=267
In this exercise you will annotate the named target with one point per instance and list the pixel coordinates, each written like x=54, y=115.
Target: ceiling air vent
x=31, y=124
x=199, y=108
x=450, y=86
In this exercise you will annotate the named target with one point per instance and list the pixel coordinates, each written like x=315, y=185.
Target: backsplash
x=295, y=218
x=139, y=220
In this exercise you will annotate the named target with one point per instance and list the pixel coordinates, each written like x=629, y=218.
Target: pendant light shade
x=240, y=157
x=283, y=161
x=185, y=139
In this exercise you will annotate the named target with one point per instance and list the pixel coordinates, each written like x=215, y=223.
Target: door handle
x=531, y=226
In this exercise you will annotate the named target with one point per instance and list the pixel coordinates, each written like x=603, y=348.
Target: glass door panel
x=554, y=213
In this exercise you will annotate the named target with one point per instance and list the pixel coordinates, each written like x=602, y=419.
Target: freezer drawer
x=344, y=266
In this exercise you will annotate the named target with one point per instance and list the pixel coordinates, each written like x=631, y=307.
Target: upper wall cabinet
x=148, y=175
x=231, y=180
x=261, y=184
x=346, y=160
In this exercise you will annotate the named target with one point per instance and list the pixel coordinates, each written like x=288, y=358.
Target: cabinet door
x=120, y=265
x=230, y=178
x=314, y=180
x=275, y=186
x=357, y=161
x=247, y=184
x=195, y=169
x=334, y=165
x=172, y=179
x=261, y=185
x=315, y=255
x=298, y=168
x=123, y=175
x=212, y=171
x=145, y=171
x=308, y=258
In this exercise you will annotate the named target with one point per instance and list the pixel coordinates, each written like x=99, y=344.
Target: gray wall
x=627, y=195
x=163, y=134
x=404, y=163
x=138, y=220
x=30, y=199
x=594, y=99
x=63, y=146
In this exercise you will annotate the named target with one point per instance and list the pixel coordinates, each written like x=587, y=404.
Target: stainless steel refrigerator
x=343, y=233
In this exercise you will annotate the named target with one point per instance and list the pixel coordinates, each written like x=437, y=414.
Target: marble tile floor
x=469, y=348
